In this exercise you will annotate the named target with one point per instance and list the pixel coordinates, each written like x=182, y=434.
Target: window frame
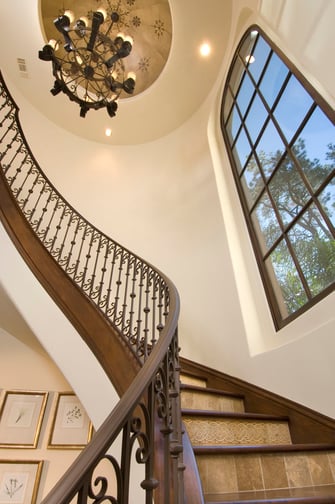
x=278, y=319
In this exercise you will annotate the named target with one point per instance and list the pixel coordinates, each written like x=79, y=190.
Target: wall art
x=71, y=427
x=21, y=418
x=19, y=481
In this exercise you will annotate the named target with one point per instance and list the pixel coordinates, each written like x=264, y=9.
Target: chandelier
x=88, y=67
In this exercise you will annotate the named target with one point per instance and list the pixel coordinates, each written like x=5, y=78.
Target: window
x=280, y=137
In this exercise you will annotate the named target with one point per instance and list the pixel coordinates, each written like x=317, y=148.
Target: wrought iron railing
x=136, y=300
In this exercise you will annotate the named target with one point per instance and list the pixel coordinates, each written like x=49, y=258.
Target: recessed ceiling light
x=108, y=132
x=205, y=49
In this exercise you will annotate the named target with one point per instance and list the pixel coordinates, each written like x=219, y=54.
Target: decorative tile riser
x=225, y=431
x=210, y=402
x=238, y=473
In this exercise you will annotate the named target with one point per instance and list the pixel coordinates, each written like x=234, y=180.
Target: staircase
x=246, y=457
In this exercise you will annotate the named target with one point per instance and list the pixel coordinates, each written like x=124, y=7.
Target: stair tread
x=208, y=390
x=324, y=494
x=225, y=449
x=224, y=414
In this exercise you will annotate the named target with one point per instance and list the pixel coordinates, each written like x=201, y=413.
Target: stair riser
x=210, y=402
x=249, y=472
x=225, y=431
x=192, y=380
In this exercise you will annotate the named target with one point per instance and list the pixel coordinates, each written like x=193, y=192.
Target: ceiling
x=176, y=92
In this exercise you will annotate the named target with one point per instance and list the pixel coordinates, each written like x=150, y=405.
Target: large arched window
x=280, y=137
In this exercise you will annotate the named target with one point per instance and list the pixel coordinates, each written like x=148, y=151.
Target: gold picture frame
x=71, y=427
x=21, y=416
x=19, y=481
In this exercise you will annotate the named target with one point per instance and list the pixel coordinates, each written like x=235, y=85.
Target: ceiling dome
x=147, y=22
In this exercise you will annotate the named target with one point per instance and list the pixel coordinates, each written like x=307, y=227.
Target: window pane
x=248, y=46
x=273, y=79
x=245, y=94
x=327, y=199
x=236, y=76
x=286, y=282
x=227, y=105
x=258, y=59
x=241, y=150
x=270, y=149
x=314, y=247
x=315, y=148
x=256, y=118
x=233, y=124
x=252, y=181
x=288, y=191
x=265, y=223
x=292, y=107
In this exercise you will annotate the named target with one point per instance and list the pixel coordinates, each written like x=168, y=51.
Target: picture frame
x=21, y=417
x=19, y=481
x=71, y=427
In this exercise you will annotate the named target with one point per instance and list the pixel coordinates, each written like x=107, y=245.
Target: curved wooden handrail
x=127, y=313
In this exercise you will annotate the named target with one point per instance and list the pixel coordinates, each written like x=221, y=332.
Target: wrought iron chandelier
x=89, y=66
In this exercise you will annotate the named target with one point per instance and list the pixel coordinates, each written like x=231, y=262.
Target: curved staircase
x=240, y=444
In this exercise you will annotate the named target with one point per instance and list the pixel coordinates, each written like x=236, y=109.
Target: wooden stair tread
x=208, y=390
x=226, y=449
x=232, y=415
x=324, y=494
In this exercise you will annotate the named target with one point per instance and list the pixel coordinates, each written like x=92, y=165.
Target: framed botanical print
x=21, y=418
x=71, y=427
x=19, y=481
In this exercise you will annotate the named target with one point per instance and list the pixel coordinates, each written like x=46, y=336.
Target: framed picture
x=19, y=481
x=21, y=418
x=71, y=427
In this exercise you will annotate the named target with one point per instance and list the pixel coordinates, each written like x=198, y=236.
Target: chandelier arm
x=97, y=21
x=62, y=24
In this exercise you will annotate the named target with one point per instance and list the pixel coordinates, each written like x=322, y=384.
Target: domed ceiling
x=172, y=79
x=147, y=22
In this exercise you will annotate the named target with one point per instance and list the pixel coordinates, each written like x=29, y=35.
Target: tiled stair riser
x=250, y=472
x=231, y=431
x=211, y=402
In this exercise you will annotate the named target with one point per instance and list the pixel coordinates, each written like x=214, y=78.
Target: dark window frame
x=318, y=102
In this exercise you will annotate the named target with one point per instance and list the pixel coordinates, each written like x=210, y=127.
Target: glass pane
x=256, y=118
x=265, y=223
x=228, y=102
x=327, y=199
x=245, y=94
x=285, y=279
x=273, y=79
x=314, y=247
x=248, y=45
x=258, y=58
x=292, y=107
x=236, y=76
x=270, y=149
x=241, y=150
x=315, y=148
x=233, y=124
x=288, y=190
x=252, y=181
